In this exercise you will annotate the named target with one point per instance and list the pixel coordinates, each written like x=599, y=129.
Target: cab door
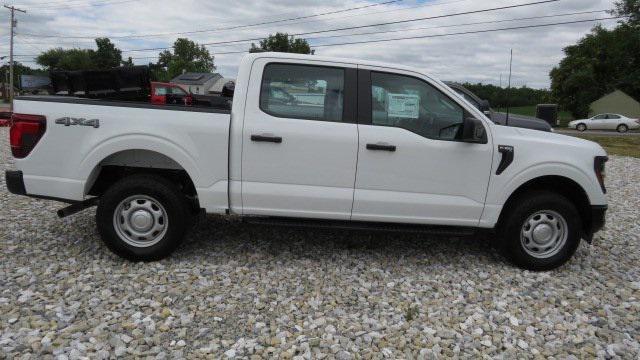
x=300, y=140
x=411, y=167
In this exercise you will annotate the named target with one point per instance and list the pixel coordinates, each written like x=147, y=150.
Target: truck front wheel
x=142, y=217
x=540, y=231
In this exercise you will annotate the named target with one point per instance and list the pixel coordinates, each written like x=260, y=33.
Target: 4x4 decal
x=68, y=121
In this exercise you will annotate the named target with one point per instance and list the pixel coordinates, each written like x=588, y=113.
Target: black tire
x=512, y=240
x=165, y=194
x=622, y=128
x=581, y=127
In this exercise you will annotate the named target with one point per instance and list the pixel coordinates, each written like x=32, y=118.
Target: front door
x=598, y=122
x=411, y=167
x=299, y=141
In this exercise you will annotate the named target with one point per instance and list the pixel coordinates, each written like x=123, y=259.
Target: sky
x=480, y=57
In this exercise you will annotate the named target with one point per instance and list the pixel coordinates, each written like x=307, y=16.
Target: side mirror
x=473, y=131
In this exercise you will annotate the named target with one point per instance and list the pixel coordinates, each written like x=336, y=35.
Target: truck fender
x=498, y=196
x=89, y=165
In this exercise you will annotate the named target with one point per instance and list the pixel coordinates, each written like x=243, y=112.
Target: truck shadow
x=233, y=239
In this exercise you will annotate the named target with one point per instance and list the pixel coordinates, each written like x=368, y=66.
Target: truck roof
x=279, y=55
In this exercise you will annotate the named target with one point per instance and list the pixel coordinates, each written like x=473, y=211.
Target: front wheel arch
x=558, y=184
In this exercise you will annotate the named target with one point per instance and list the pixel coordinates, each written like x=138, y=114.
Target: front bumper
x=15, y=182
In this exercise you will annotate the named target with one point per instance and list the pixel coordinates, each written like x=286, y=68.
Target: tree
x=599, y=63
x=106, y=56
x=66, y=59
x=630, y=8
x=128, y=62
x=500, y=97
x=282, y=42
x=187, y=56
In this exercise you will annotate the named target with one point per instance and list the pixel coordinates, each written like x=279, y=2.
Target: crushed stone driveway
x=239, y=291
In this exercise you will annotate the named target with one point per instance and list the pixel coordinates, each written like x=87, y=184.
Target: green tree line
x=500, y=97
x=184, y=55
x=601, y=62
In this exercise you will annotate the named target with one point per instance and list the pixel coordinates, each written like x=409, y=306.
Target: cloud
x=474, y=57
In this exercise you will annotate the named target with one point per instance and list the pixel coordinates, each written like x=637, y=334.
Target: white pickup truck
x=314, y=141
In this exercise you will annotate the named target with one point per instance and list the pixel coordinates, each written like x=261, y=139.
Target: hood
x=548, y=143
x=520, y=122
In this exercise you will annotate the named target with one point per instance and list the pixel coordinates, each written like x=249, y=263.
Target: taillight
x=26, y=131
x=638, y=121
x=598, y=165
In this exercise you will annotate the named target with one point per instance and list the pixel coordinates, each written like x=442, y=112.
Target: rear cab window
x=303, y=92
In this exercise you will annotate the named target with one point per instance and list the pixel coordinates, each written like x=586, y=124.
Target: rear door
x=300, y=140
x=411, y=168
x=612, y=121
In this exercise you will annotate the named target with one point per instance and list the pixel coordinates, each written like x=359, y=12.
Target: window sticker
x=403, y=106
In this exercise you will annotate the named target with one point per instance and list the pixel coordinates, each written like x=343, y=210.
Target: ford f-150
x=314, y=141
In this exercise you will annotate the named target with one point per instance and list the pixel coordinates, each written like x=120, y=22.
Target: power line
x=222, y=43
x=464, y=32
x=224, y=28
x=79, y=5
x=426, y=36
x=443, y=35
x=379, y=24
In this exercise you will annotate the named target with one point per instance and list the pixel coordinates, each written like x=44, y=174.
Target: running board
x=362, y=225
x=77, y=207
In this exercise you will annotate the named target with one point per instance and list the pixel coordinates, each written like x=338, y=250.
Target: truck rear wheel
x=541, y=231
x=142, y=217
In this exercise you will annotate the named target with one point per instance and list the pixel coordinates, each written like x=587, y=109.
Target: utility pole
x=12, y=25
x=509, y=88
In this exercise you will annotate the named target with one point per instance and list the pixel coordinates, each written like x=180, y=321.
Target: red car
x=168, y=93
x=5, y=118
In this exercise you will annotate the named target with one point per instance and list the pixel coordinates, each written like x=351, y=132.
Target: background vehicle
x=426, y=160
x=617, y=122
x=497, y=118
x=167, y=93
x=5, y=118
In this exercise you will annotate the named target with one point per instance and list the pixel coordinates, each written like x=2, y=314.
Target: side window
x=302, y=92
x=614, y=116
x=600, y=117
x=177, y=91
x=412, y=104
x=161, y=91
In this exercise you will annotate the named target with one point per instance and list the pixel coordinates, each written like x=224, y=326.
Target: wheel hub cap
x=544, y=234
x=140, y=221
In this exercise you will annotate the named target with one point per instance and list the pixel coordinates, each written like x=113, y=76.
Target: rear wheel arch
x=131, y=162
x=557, y=184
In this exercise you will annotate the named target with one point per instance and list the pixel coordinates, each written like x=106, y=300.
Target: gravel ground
x=262, y=292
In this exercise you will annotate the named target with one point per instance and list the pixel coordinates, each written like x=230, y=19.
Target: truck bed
x=83, y=135
x=120, y=103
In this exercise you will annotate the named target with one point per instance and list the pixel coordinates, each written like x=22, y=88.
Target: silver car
x=616, y=122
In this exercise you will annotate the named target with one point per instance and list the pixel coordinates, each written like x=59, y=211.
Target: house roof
x=618, y=93
x=192, y=78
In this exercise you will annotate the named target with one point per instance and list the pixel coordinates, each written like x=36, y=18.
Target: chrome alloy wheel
x=140, y=221
x=543, y=234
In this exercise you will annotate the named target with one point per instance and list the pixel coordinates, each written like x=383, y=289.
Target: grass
x=530, y=110
x=617, y=145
